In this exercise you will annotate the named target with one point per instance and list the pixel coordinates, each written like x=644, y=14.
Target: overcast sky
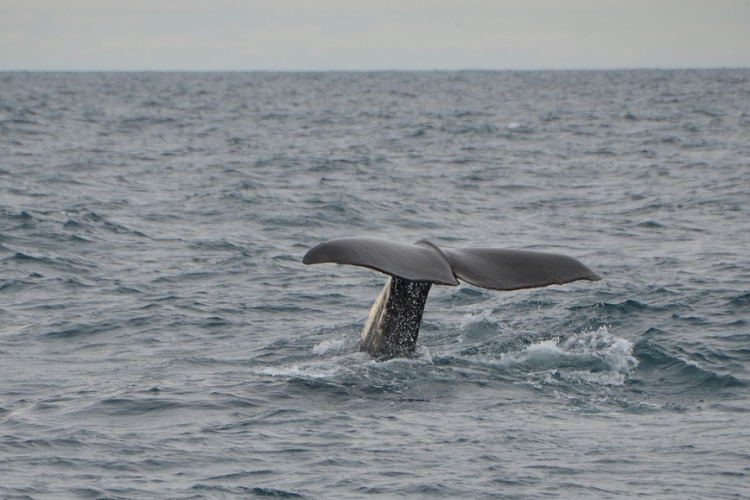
x=372, y=34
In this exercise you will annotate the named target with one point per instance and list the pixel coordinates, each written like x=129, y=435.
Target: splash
x=329, y=346
x=314, y=371
x=593, y=357
x=478, y=317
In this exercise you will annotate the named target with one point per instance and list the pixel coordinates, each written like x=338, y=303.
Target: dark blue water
x=160, y=338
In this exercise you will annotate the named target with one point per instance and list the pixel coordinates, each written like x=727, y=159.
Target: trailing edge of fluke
x=393, y=324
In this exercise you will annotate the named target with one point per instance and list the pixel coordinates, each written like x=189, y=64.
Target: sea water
x=161, y=339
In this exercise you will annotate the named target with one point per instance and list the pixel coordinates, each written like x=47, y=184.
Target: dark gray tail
x=393, y=325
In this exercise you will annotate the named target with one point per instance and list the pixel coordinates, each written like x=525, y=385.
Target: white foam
x=594, y=357
x=329, y=346
x=473, y=318
x=297, y=371
x=518, y=127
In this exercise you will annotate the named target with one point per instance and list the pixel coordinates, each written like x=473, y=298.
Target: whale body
x=393, y=325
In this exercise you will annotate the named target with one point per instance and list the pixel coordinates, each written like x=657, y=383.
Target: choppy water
x=160, y=338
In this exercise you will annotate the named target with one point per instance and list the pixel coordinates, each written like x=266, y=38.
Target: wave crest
x=592, y=357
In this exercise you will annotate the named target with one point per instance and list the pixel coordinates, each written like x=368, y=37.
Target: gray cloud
x=336, y=34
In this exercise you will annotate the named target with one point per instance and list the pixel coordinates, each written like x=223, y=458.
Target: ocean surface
x=160, y=337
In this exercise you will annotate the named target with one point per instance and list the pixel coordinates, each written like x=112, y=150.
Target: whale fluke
x=500, y=269
x=393, y=325
x=418, y=262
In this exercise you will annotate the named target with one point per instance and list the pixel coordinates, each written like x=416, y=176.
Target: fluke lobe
x=393, y=325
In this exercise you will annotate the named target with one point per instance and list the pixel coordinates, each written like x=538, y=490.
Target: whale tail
x=393, y=325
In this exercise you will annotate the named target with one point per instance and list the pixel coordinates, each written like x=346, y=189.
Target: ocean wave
x=155, y=311
x=594, y=357
x=308, y=371
x=676, y=374
x=330, y=346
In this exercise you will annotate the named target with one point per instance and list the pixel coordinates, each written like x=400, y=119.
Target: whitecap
x=479, y=317
x=518, y=127
x=329, y=346
x=316, y=371
x=592, y=357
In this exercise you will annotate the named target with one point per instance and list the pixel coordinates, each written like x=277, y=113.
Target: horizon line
x=379, y=70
